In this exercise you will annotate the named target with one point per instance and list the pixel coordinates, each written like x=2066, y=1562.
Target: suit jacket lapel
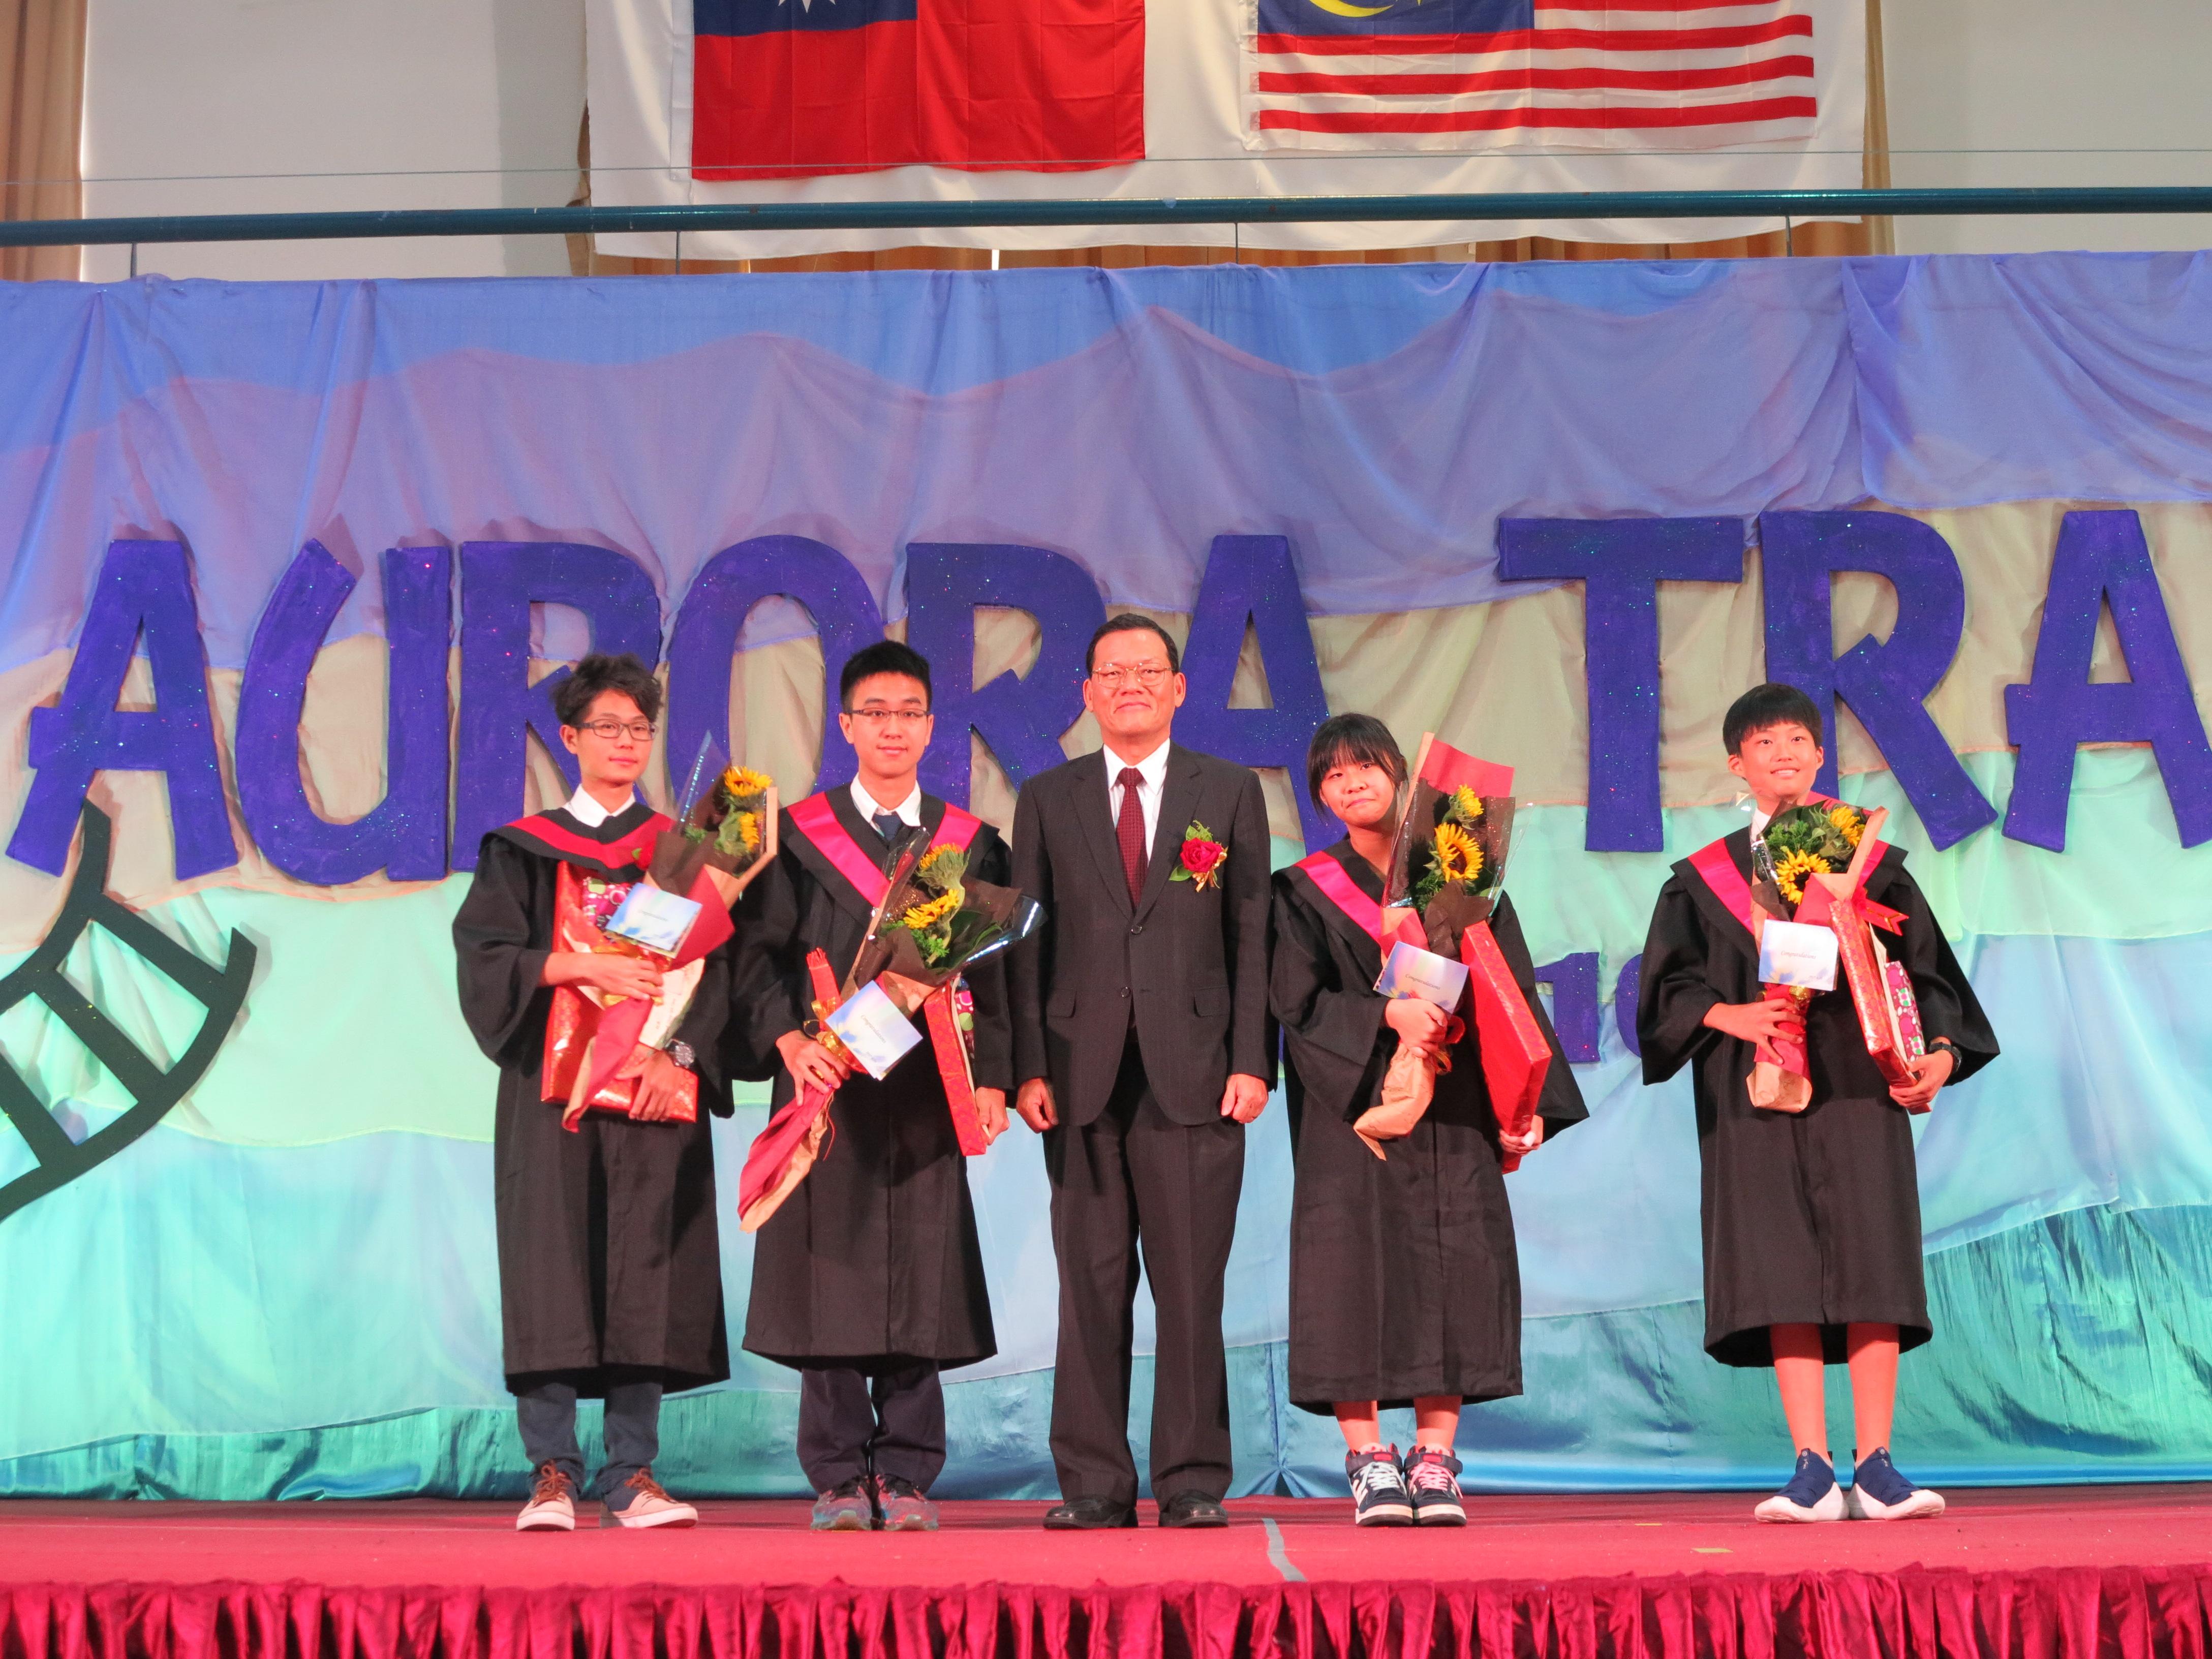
x=1178, y=801
x=1088, y=780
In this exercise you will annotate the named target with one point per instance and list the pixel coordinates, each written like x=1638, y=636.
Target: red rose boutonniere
x=1202, y=857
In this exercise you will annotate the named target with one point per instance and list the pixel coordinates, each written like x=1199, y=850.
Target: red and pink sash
x=1337, y=887
x=817, y=819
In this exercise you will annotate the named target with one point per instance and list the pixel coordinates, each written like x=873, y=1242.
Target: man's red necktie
x=1130, y=828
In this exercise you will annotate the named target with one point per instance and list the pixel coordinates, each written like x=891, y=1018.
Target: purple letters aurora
x=143, y=599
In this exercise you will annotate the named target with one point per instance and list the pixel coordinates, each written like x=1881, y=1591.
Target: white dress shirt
x=867, y=805
x=587, y=811
x=1153, y=769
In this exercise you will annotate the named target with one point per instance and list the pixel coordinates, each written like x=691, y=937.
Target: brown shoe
x=552, y=1505
x=649, y=1505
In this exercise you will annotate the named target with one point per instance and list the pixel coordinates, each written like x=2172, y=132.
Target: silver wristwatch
x=679, y=1051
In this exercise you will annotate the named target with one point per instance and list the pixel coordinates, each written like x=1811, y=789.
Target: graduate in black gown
x=610, y=1271
x=1811, y=1219
x=869, y=1278
x=1405, y=1285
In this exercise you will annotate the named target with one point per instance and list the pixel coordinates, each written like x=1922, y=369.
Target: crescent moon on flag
x=1345, y=9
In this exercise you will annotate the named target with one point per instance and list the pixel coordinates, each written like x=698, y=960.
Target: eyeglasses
x=1152, y=677
x=608, y=731
x=909, y=718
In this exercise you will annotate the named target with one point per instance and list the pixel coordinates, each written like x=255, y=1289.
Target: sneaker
x=903, y=1505
x=649, y=1505
x=552, y=1505
x=1432, y=1477
x=1378, y=1488
x=1811, y=1495
x=1879, y=1492
x=849, y=1506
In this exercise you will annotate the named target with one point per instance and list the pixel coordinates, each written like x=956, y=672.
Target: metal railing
x=1785, y=204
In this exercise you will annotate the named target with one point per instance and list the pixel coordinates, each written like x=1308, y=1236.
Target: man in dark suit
x=1142, y=1048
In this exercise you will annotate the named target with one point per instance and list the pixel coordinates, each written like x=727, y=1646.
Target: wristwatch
x=679, y=1051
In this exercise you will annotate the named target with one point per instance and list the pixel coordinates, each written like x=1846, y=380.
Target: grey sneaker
x=849, y=1506
x=903, y=1505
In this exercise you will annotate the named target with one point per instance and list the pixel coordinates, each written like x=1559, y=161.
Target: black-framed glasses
x=1152, y=677
x=909, y=718
x=606, y=731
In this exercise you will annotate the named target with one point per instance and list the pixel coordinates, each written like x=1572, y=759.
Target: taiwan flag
x=786, y=87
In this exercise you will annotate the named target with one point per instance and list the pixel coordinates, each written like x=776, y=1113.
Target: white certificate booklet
x=653, y=918
x=870, y=1025
x=1410, y=971
x=1797, y=953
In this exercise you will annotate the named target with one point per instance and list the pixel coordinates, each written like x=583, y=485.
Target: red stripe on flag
x=1706, y=39
x=1681, y=6
x=1483, y=121
x=1045, y=86
x=1729, y=74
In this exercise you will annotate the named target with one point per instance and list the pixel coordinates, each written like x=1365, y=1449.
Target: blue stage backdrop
x=288, y=567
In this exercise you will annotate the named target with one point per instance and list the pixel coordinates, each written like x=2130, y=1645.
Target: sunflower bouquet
x=935, y=921
x=1814, y=839
x=725, y=825
x=1447, y=863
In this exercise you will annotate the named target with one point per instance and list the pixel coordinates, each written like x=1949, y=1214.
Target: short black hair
x=1130, y=623
x=573, y=698
x=883, y=657
x=1771, y=704
x=1354, y=738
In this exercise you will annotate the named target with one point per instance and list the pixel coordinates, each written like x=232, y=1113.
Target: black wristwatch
x=679, y=1051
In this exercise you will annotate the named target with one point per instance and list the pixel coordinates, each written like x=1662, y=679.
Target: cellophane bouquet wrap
x=935, y=923
x=583, y=903
x=726, y=829
x=1447, y=869
x=1828, y=893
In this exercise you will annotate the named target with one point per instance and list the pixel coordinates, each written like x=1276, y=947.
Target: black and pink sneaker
x=1432, y=1478
x=1378, y=1488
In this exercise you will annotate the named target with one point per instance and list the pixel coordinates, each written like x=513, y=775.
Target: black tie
x=888, y=825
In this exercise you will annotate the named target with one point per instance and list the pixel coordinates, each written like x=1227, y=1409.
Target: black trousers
x=888, y=1419
x=545, y=1411
x=1136, y=1178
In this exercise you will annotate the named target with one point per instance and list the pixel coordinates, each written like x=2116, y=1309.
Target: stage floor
x=1521, y=1539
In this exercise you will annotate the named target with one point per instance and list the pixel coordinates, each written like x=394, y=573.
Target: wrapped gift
x=1865, y=966
x=1515, y=1059
x=583, y=904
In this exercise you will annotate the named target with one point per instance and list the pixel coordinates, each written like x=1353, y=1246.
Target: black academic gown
x=610, y=1267
x=1404, y=1280
x=1809, y=1217
x=873, y=1261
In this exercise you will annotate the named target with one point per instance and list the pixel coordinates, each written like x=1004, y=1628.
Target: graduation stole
x=817, y=819
x=623, y=860
x=1337, y=887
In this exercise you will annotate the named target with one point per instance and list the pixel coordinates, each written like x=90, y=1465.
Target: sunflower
x=942, y=867
x=749, y=830
x=920, y=918
x=1466, y=803
x=1848, y=822
x=1459, y=857
x=739, y=782
x=1789, y=874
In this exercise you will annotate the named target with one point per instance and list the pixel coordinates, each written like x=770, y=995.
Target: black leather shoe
x=1193, y=1508
x=1089, y=1515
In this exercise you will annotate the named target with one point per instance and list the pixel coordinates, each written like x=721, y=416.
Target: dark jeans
x=547, y=1414
x=887, y=1421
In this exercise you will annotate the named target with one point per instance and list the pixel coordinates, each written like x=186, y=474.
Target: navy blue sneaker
x=1432, y=1479
x=1879, y=1492
x=1379, y=1498
x=1811, y=1495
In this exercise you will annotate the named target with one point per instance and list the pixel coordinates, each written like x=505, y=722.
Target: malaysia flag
x=786, y=87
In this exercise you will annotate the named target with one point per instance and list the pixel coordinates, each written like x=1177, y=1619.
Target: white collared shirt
x=1153, y=770
x=587, y=811
x=867, y=805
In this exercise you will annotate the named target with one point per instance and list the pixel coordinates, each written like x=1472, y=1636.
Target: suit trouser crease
x=1135, y=1179
x=852, y=1422
x=546, y=1414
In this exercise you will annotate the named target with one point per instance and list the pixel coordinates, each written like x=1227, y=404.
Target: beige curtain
x=41, y=115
